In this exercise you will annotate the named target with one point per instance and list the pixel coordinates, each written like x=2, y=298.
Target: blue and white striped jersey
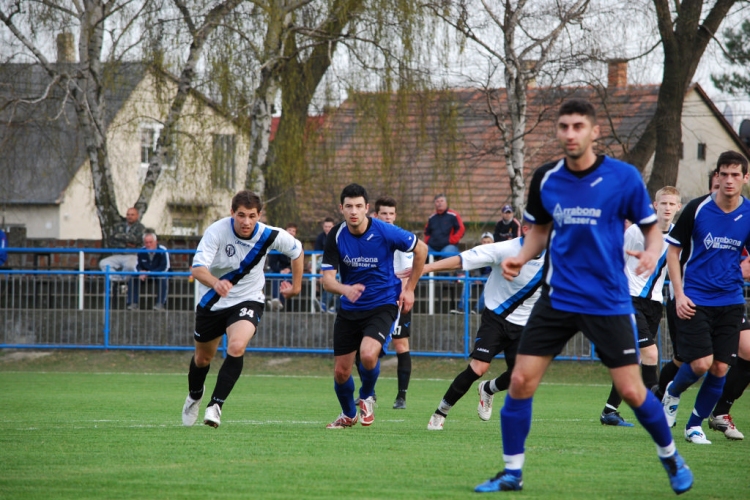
x=367, y=259
x=714, y=241
x=588, y=209
x=239, y=260
x=512, y=300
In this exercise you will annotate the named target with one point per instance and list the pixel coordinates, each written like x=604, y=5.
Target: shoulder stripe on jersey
x=248, y=263
x=555, y=169
x=510, y=305
x=648, y=289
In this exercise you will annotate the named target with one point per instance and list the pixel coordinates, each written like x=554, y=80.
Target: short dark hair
x=711, y=175
x=353, y=191
x=731, y=158
x=384, y=201
x=578, y=107
x=329, y=219
x=291, y=225
x=246, y=199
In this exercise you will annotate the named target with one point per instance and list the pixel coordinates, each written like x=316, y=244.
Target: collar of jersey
x=255, y=230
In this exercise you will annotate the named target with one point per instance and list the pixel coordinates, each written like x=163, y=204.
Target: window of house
x=222, y=168
x=185, y=227
x=150, y=133
x=701, y=151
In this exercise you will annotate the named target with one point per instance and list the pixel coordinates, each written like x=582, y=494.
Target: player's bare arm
x=448, y=264
x=204, y=276
x=534, y=243
x=684, y=306
x=406, y=300
x=649, y=256
x=331, y=284
x=298, y=268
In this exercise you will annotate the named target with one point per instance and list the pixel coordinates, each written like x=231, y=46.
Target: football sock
x=196, y=379
x=708, y=395
x=501, y=383
x=685, y=378
x=460, y=385
x=369, y=377
x=515, y=424
x=651, y=416
x=667, y=374
x=613, y=401
x=737, y=381
x=228, y=374
x=403, y=372
x=443, y=408
x=650, y=375
x=345, y=395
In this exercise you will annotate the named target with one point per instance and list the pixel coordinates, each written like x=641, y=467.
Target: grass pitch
x=107, y=425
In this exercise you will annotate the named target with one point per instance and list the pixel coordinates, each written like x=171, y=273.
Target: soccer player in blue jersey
x=646, y=293
x=713, y=230
x=361, y=249
x=578, y=207
x=228, y=265
x=508, y=305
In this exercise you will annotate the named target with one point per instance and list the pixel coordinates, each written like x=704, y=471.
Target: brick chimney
x=617, y=76
x=66, y=48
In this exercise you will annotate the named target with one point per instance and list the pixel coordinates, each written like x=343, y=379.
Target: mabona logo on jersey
x=721, y=243
x=361, y=261
x=230, y=250
x=576, y=215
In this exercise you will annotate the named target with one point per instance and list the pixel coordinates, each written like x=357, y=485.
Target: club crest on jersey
x=721, y=243
x=576, y=215
x=230, y=250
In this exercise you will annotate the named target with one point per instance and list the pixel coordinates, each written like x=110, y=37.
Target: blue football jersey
x=584, y=271
x=713, y=241
x=367, y=259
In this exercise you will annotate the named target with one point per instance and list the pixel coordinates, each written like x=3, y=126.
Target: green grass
x=107, y=425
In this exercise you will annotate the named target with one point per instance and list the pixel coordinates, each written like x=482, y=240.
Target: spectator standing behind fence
x=3, y=246
x=150, y=261
x=127, y=234
x=320, y=244
x=278, y=263
x=508, y=227
x=444, y=228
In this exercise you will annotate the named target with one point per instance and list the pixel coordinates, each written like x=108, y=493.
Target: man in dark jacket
x=150, y=261
x=444, y=228
x=127, y=234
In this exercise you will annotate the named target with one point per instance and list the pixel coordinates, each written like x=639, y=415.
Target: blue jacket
x=157, y=262
x=3, y=245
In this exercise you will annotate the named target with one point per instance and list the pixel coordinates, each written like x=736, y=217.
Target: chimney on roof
x=617, y=76
x=528, y=66
x=66, y=48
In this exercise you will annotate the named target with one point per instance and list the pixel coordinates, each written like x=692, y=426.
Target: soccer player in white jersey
x=646, y=292
x=507, y=307
x=385, y=210
x=713, y=231
x=228, y=264
x=578, y=207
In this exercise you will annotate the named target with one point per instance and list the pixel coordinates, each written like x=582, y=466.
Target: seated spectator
x=150, y=261
x=127, y=234
x=508, y=227
x=278, y=263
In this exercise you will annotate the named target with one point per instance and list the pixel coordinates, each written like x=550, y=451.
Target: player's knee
x=632, y=394
x=701, y=366
x=521, y=385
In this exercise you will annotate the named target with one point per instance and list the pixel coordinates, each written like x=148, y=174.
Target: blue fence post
x=466, y=293
x=107, y=307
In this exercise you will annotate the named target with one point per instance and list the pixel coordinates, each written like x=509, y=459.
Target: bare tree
x=685, y=32
x=530, y=32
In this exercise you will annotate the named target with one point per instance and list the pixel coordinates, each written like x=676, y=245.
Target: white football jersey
x=239, y=260
x=648, y=287
x=402, y=261
x=512, y=300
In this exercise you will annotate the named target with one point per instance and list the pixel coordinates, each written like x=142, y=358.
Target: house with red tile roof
x=414, y=145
